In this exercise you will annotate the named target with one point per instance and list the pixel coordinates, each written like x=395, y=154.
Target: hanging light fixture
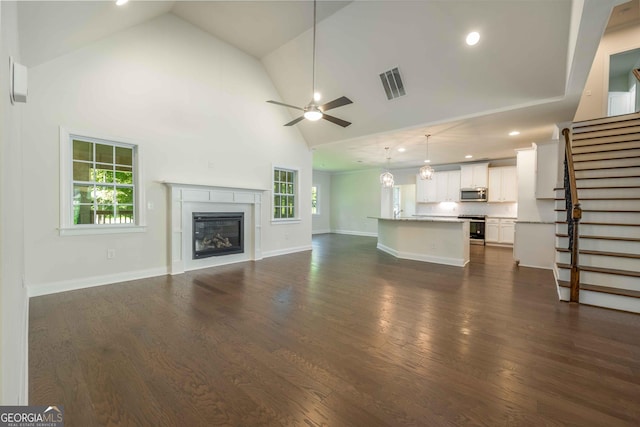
x=426, y=172
x=386, y=178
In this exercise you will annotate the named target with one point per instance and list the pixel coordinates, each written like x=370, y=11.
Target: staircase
x=606, y=156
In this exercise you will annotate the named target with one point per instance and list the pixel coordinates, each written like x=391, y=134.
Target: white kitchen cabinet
x=492, y=230
x=507, y=230
x=503, y=184
x=426, y=190
x=447, y=186
x=499, y=230
x=474, y=176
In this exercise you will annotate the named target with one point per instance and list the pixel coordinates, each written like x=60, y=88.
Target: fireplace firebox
x=217, y=233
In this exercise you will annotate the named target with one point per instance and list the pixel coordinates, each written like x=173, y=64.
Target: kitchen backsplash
x=468, y=208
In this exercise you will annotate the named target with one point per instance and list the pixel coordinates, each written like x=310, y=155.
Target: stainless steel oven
x=476, y=228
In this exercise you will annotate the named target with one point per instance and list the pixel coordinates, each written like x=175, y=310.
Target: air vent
x=392, y=83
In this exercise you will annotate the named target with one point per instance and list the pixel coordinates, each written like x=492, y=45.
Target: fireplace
x=217, y=233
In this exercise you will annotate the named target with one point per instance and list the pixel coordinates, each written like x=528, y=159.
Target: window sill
x=107, y=229
x=285, y=221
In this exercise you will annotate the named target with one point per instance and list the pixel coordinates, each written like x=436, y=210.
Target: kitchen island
x=439, y=240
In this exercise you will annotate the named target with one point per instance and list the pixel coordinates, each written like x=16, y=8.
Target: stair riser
x=599, y=299
x=603, y=230
x=609, y=182
x=617, y=163
x=620, y=246
x=621, y=154
x=603, y=261
x=631, y=172
x=602, y=279
x=606, y=130
x=605, y=217
x=624, y=145
x=596, y=142
x=595, y=193
x=606, y=205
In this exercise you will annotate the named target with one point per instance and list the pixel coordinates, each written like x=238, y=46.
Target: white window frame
x=296, y=195
x=317, y=212
x=67, y=227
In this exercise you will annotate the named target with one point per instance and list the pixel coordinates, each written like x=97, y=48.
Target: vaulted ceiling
x=526, y=73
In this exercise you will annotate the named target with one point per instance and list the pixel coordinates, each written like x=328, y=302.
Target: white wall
x=13, y=298
x=354, y=197
x=321, y=222
x=593, y=103
x=534, y=244
x=196, y=107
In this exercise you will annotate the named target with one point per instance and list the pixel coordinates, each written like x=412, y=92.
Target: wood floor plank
x=344, y=335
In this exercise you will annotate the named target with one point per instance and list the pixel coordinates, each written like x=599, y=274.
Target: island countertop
x=422, y=218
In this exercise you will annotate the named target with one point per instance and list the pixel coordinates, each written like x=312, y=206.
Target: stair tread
x=601, y=210
x=602, y=253
x=607, y=150
x=603, y=223
x=604, y=187
x=609, y=177
x=602, y=159
x=607, y=167
x=602, y=270
x=603, y=289
x=623, y=239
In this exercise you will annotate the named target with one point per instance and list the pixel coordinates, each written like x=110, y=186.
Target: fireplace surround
x=187, y=199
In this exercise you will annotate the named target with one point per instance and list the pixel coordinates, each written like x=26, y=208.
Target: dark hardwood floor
x=341, y=336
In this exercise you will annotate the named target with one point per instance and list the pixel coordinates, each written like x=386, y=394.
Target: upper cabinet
x=503, y=184
x=443, y=187
x=448, y=186
x=474, y=175
x=426, y=189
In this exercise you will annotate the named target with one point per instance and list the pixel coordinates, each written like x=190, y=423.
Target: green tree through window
x=103, y=183
x=284, y=193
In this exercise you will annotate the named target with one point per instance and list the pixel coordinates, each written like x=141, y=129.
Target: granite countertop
x=501, y=217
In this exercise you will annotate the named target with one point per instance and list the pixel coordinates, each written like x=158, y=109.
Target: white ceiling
x=526, y=73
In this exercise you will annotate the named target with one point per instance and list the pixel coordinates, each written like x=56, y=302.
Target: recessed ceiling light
x=402, y=149
x=473, y=38
x=514, y=133
x=121, y=2
x=468, y=156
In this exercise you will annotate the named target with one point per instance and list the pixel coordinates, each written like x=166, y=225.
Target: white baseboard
x=327, y=231
x=356, y=233
x=456, y=262
x=278, y=252
x=89, y=282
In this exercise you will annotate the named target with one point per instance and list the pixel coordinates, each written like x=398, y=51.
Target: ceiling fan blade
x=293, y=122
x=343, y=100
x=336, y=120
x=286, y=105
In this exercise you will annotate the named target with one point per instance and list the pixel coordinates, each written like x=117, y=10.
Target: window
x=284, y=194
x=314, y=200
x=98, y=185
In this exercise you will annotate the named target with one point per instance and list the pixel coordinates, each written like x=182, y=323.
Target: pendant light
x=386, y=178
x=426, y=172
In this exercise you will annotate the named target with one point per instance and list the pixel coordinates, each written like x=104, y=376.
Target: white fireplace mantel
x=188, y=198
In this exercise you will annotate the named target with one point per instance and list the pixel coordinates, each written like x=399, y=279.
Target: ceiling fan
x=313, y=111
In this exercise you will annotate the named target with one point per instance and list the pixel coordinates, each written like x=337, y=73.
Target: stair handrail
x=574, y=214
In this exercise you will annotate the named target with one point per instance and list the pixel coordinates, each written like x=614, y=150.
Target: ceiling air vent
x=392, y=83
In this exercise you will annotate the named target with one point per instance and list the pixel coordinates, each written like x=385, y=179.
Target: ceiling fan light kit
x=312, y=111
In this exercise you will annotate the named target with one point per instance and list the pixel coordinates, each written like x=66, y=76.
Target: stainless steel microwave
x=473, y=194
